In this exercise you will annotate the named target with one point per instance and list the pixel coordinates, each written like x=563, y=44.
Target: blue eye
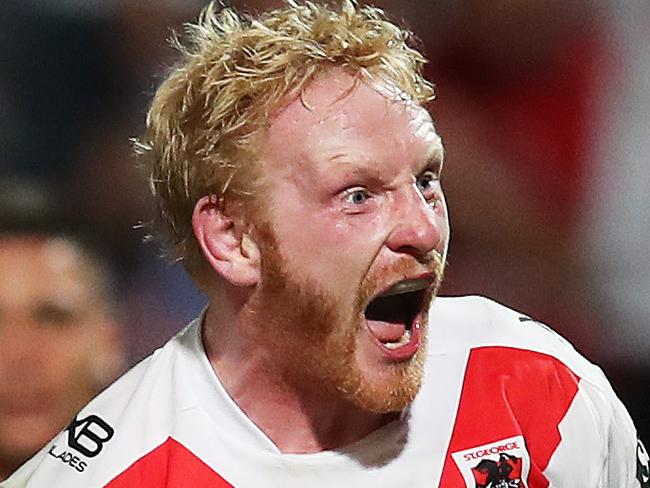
x=427, y=183
x=357, y=197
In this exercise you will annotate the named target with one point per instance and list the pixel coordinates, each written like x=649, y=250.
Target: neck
x=296, y=419
x=8, y=466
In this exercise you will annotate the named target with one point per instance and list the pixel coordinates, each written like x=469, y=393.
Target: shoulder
x=520, y=378
x=129, y=419
x=474, y=323
x=528, y=358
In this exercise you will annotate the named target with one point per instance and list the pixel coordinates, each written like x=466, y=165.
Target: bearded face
x=352, y=237
x=316, y=337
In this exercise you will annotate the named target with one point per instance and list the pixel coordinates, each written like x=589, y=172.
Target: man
x=58, y=343
x=298, y=177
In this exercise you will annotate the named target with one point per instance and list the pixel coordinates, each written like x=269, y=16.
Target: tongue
x=386, y=331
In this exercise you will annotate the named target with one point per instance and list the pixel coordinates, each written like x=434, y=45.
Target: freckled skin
x=338, y=250
x=367, y=130
x=53, y=339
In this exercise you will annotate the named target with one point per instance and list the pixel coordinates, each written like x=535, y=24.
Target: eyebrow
x=436, y=158
x=346, y=162
x=435, y=163
x=345, y=167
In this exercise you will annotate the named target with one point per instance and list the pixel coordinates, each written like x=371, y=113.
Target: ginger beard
x=313, y=337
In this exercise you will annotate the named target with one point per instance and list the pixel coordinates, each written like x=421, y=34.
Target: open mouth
x=393, y=316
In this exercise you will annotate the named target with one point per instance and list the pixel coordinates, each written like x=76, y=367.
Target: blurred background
x=544, y=107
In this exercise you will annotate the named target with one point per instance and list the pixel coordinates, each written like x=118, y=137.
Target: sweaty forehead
x=340, y=116
x=334, y=101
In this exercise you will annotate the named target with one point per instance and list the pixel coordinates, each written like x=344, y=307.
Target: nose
x=420, y=227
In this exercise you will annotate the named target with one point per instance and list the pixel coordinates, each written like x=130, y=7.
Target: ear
x=231, y=252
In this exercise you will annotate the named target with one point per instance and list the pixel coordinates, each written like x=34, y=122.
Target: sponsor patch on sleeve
x=501, y=464
x=86, y=438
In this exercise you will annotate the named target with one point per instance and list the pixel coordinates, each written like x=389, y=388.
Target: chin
x=382, y=386
x=393, y=393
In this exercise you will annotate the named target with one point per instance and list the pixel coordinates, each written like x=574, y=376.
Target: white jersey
x=505, y=403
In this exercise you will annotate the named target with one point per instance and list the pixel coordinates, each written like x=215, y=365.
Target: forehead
x=339, y=118
x=35, y=268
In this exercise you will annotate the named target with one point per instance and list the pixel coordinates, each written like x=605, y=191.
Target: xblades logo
x=89, y=435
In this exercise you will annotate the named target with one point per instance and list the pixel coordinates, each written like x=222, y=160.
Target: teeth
x=406, y=337
x=407, y=286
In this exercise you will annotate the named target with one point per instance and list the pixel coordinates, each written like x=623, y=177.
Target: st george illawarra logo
x=504, y=473
x=501, y=464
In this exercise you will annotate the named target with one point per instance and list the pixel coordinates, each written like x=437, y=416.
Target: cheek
x=69, y=364
x=335, y=248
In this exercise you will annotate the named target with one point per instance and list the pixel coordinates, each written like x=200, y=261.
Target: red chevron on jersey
x=505, y=399
x=170, y=465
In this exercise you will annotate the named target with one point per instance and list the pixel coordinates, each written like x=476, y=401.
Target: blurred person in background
x=75, y=77
x=59, y=343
